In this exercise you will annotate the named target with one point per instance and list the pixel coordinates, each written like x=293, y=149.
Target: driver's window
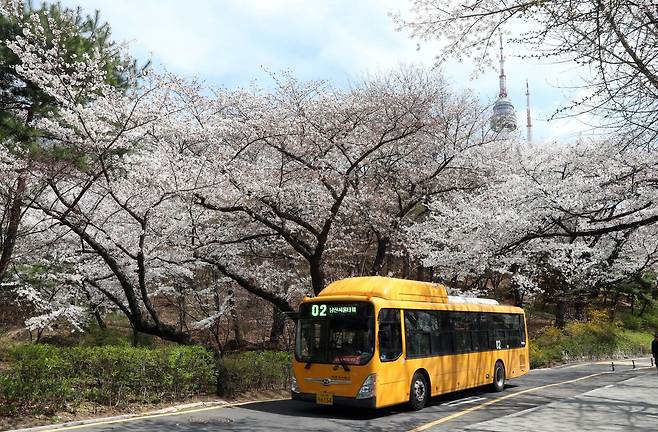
x=390, y=334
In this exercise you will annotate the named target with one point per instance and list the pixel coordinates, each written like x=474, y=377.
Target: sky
x=231, y=43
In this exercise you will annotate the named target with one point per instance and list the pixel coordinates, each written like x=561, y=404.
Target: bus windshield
x=336, y=333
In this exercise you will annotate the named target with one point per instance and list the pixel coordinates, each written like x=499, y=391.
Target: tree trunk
x=223, y=384
x=560, y=312
x=405, y=266
x=518, y=297
x=13, y=224
x=317, y=276
x=278, y=326
x=99, y=319
x=613, y=307
x=579, y=309
x=236, y=326
x=15, y=211
x=135, y=337
x=182, y=309
x=644, y=307
x=420, y=273
x=378, y=263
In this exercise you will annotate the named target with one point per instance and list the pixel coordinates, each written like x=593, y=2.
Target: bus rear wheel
x=419, y=392
x=498, y=384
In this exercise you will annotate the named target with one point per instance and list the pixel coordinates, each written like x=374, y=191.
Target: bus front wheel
x=498, y=377
x=419, y=392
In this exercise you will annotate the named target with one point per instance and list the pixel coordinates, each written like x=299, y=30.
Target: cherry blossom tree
x=23, y=101
x=99, y=196
x=314, y=174
x=169, y=195
x=506, y=226
x=615, y=42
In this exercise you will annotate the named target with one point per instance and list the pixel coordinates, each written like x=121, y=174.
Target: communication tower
x=504, y=114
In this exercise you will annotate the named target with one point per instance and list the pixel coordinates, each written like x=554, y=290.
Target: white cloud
x=231, y=42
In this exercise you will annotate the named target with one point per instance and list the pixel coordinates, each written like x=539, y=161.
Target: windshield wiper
x=342, y=362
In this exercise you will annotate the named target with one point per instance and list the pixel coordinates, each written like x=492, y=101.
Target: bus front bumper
x=338, y=400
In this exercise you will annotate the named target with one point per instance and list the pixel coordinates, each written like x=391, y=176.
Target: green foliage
x=593, y=339
x=44, y=378
x=23, y=101
x=632, y=342
x=96, y=336
x=632, y=322
x=254, y=371
x=648, y=321
x=546, y=348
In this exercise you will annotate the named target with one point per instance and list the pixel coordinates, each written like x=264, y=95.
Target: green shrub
x=632, y=322
x=650, y=322
x=38, y=375
x=632, y=343
x=96, y=336
x=254, y=371
x=592, y=339
x=44, y=378
x=546, y=349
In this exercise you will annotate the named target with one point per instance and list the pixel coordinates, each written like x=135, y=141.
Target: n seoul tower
x=504, y=114
x=527, y=112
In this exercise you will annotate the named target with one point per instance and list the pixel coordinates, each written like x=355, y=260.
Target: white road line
x=526, y=411
x=463, y=401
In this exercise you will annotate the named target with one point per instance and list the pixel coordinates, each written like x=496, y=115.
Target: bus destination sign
x=321, y=309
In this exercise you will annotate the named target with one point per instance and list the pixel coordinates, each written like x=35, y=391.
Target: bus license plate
x=324, y=398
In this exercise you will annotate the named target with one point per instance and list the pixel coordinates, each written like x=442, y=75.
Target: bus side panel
x=517, y=363
x=460, y=371
x=393, y=383
x=470, y=370
x=429, y=364
x=484, y=373
x=445, y=379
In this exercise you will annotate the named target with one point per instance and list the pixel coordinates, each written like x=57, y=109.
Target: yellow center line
x=511, y=395
x=152, y=416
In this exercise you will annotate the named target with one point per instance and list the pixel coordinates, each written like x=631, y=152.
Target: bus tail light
x=367, y=390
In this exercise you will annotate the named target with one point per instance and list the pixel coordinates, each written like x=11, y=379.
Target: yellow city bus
x=378, y=341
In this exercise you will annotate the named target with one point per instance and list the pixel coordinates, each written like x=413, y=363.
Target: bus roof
x=387, y=288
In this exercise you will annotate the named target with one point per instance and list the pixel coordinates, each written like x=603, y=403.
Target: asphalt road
x=585, y=397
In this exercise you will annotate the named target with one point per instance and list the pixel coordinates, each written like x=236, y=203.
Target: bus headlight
x=367, y=390
x=293, y=384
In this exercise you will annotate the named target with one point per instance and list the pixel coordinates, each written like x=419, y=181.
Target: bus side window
x=463, y=323
x=499, y=333
x=390, y=335
x=512, y=330
x=522, y=330
x=443, y=337
x=481, y=338
x=418, y=327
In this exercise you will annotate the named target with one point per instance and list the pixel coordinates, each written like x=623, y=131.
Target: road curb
x=617, y=360
x=83, y=422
